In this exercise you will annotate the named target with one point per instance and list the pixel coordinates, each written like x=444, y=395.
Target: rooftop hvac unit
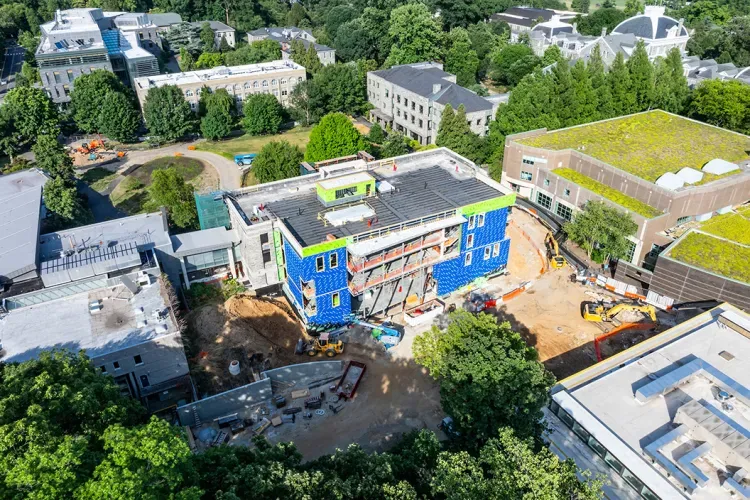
x=141, y=323
x=143, y=279
x=95, y=307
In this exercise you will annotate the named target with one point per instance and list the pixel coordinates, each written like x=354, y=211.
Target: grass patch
x=248, y=178
x=98, y=178
x=611, y=194
x=734, y=227
x=715, y=255
x=131, y=195
x=298, y=136
x=649, y=144
x=209, y=293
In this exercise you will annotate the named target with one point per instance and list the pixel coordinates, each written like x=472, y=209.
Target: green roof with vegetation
x=611, y=194
x=714, y=254
x=649, y=144
x=732, y=226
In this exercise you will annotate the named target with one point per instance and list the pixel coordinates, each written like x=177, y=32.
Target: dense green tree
x=334, y=136
x=633, y=8
x=33, y=113
x=297, y=52
x=489, y=377
x=375, y=24
x=169, y=189
x=530, y=107
x=508, y=467
x=296, y=14
x=61, y=198
x=167, y=113
x=670, y=85
x=483, y=39
x=586, y=98
x=415, y=33
x=88, y=95
x=216, y=124
x=338, y=88
x=53, y=412
x=623, y=98
x=219, y=98
x=641, y=77
x=184, y=35
x=511, y=63
x=728, y=43
x=151, y=461
x=224, y=46
x=459, y=13
x=723, y=103
x=593, y=23
x=338, y=16
x=263, y=114
x=301, y=107
x=312, y=61
x=460, y=59
x=448, y=129
x=565, y=104
x=595, y=68
x=209, y=60
x=277, y=160
x=28, y=76
x=580, y=5
x=118, y=117
x=479, y=89
x=207, y=37
x=395, y=145
x=186, y=62
x=376, y=134
x=602, y=227
x=9, y=137
x=50, y=156
x=256, y=52
x=551, y=56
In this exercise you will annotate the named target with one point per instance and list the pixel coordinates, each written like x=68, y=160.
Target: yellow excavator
x=600, y=312
x=320, y=344
x=556, y=260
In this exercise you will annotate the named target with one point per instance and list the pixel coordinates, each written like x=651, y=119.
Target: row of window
x=320, y=262
x=137, y=359
x=476, y=221
x=241, y=97
x=600, y=450
x=492, y=251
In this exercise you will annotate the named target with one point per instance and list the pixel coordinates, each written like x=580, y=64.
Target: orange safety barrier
x=191, y=148
x=178, y=154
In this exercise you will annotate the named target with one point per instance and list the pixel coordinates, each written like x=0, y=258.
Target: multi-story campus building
x=410, y=99
x=668, y=418
x=221, y=31
x=276, y=77
x=285, y=37
x=79, y=41
x=523, y=19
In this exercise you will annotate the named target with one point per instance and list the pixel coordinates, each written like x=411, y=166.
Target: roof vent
x=726, y=355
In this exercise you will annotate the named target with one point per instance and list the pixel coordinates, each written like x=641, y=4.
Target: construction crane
x=600, y=312
x=556, y=260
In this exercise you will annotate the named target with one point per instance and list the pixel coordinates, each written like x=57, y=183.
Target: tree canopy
x=88, y=95
x=263, y=114
x=169, y=189
x=602, y=228
x=334, y=136
x=415, y=35
x=167, y=113
x=277, y=160
x=723, y=103
x=32, y=112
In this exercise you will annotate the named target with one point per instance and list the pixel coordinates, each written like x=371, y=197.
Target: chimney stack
x=604, y=31
x=679, y=26
x=575, y=27
x=436, y=88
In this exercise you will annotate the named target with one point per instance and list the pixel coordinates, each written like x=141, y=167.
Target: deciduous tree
x=263, y=114
x=723, y=103
x=277, y=160
x=50, y=156
x=33, y=113
x=460, y=59
x=167, y=113
x=256, y=52
x=395, y=145
x=376, y=134
x=186, y=61
x=207, y=37
x=489, y=377
x=602, y=227
x=169, y=189
x=118, y=117
x=61, y=198
x=209, y=60
x=415, y=33
x=334, y=136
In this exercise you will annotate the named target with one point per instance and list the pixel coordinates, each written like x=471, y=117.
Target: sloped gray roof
x=530, y=13
x=421, y=81
x=648, y=27
x=166, y=19
x=215, y=25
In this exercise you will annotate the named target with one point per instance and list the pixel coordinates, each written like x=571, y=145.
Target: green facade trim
x=278, y=250
x=326, y=246
x=329, y=195
x=488, y=205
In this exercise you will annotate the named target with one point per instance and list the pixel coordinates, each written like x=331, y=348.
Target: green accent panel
x=278, y=249
x=360, y=190
x=488, y=205
x=326, y=246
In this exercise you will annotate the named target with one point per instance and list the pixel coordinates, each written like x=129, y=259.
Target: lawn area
x=131, y=195
x=735, y=227
x=298, y=136
x=715, y=255
x=611, y=194
x=98, y=178
x=649, y=144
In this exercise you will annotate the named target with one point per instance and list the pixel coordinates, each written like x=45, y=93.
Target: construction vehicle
x=600, y=312
x=556, y=260
x=349, y=381
x=320, y=344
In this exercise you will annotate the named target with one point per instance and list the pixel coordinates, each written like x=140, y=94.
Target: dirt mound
x=258, y=332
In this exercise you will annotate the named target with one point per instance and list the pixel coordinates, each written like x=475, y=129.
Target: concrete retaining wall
x=226, y=403
x=294, y=373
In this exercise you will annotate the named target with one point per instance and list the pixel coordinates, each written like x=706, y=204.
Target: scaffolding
x=212, y=211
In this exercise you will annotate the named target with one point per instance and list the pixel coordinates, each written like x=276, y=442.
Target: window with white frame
x=496, y=249
x=255, y=85
x=546, y=182
x=283, y=81
x=188, y=93
x=276, y=92
x=472, y=222
x=566, y=193
x=526, y=176
x=467, y=259
x=299, y=80
x=265, y=83
x=470, y=241
x=333, y=261
x=480, y=220
x=246, y=85
x=487, y=252
x=274, y=82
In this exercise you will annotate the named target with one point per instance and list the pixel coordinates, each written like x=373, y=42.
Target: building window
x=412, y=118
x=335, y=299
x=386, y=92
x=283, y=92
x=480, y=220
x=255, y=85
x=103, y=369
x=413, y=106
x=421, y=109
x=333, y=261
x=546, y=182
x=276, y=92
x=299, y=80
x=470, y=241
x=138, y=360
x=406, y=102
x=56, y=74
x=467, y=259
x=274, y=82
x=564, y=211
x=685, y=219
x=116, y=365
x=144, y=381
x=265, y=83
x=398, y=98
x=526, y=176
x=479, y=121
x=544, y=200
x=320, y=264
x=66, y=90
x=70, y=75
x=631, y=251
x=496, y=249
x=398, y=112
x=266, y=256
x=188, y=93
x=566, y=193
x=527, y=161
x=487, y=252
x=283, y=81
x=472, y=221
x=420, y=123
x=613, y=462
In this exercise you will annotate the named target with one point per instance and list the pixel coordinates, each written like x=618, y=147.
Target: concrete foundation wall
x=310, y=371
x=226, y=403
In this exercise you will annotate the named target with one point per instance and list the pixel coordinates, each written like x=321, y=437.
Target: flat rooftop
x=20, y=212
x=649, y=144
x=125, y=319
x=422, y=185
x=632, y=402
x=216, y=74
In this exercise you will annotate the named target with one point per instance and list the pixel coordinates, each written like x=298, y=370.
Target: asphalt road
x=12, y=62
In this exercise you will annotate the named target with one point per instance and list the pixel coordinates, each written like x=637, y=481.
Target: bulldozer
x=599, y=312
x=556, y=260
x=320, y=344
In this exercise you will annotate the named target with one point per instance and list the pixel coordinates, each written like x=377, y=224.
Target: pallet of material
x=276, y=421
x=302, y=393
x=262, y=426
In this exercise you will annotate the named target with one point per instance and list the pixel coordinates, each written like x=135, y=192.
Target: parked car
x=246, y=159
